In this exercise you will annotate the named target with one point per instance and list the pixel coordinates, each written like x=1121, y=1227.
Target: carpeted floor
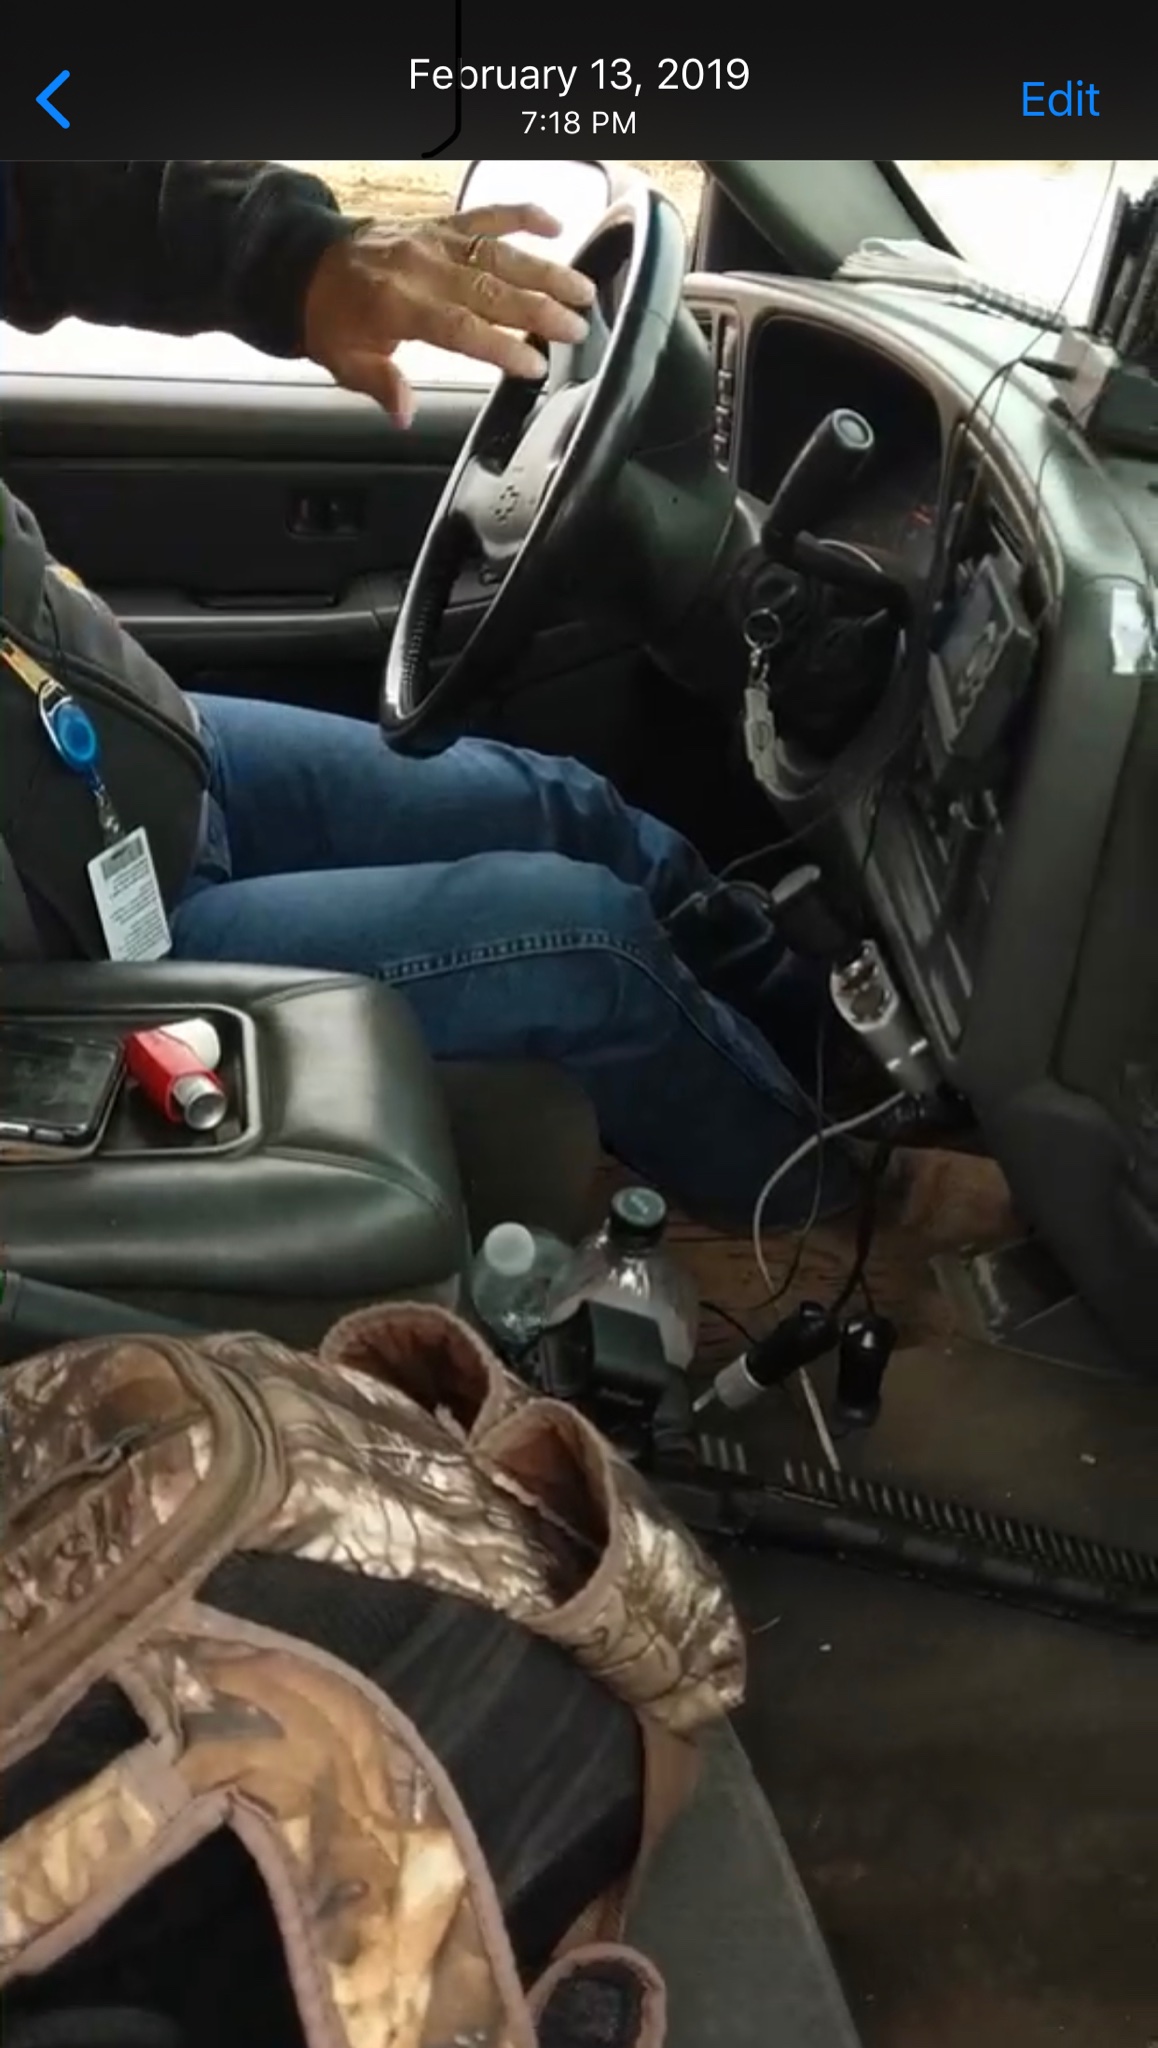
x=969, y=1791
x=945, y=1203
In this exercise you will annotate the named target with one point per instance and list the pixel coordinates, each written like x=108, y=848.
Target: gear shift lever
x=829, y=462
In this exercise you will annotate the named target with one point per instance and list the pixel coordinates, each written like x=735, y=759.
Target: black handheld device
x=56, y=1089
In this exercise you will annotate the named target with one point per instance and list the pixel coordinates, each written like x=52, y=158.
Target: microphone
x=806, y=1335
x=867, y=1343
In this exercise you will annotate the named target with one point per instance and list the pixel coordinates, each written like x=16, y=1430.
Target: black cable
x=857, y=1280
x=805, y=1233
x=457, y=129
x=874, y=823
x=725, y=1315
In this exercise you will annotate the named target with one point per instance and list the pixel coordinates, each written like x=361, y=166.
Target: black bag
x=152, y=761
x=20, y=936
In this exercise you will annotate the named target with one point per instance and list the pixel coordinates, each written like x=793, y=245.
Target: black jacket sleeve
x=181, y=248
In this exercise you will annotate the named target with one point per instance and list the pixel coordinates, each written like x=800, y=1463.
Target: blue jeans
x=520, y=906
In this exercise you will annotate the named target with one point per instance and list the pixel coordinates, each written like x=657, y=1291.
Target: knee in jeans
x=587, y=900
x=581, y=900
x=581, y=804
x=608, y=955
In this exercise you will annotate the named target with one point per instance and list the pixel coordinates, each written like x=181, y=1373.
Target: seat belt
x=20, y=939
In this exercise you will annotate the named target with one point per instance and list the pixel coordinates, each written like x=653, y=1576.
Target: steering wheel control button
x=44, y=99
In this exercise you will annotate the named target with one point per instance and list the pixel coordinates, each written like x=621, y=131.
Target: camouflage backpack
x=244, y=1595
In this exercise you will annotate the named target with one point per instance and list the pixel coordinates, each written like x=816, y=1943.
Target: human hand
x=451, y=282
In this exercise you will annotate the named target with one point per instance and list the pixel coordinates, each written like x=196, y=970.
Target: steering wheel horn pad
x=500, y=505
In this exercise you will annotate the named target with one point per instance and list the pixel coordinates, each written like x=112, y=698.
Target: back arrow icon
x=44, y=99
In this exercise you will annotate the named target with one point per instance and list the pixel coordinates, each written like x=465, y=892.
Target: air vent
x=1021, y=546
x=991, y=526
x=1007, y=534
x=991, y=523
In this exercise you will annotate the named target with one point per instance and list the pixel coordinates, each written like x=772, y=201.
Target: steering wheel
x=534, y=469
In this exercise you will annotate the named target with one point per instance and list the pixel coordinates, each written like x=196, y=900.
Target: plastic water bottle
x=627, y=1265
x=510, y=1283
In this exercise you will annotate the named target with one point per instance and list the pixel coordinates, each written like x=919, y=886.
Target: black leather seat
x=336, y=1178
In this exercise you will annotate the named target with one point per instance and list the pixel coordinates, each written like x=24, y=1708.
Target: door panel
x=188, y=633
x=230, y=523
x=218, y=528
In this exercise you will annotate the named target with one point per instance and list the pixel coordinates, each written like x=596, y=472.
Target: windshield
x=1037, y=228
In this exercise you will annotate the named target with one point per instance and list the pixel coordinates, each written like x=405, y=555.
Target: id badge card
x=128, y=900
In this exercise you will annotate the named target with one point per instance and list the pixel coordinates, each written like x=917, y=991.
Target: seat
x=335, y=1180
x=724, y=1914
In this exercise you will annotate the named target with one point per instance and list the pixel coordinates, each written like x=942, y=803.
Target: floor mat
x=969, y=1791
x=969, y=1795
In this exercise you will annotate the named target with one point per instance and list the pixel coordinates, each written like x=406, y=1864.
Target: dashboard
x=995, y=818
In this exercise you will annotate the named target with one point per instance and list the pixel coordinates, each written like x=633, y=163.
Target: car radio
x=978, y=678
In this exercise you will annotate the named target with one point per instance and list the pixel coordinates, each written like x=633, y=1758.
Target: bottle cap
x=638, y=1214
x=201, y=1101
x=200, y=1037
x=509, y=1249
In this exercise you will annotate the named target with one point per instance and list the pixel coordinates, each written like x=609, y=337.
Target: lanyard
x=70, y=732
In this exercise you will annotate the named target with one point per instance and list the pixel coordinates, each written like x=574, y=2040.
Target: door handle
x=326, y=515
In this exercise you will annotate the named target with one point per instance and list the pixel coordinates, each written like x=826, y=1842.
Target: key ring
x=763, y=632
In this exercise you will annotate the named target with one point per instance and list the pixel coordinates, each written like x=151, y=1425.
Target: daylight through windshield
x=1038, y=228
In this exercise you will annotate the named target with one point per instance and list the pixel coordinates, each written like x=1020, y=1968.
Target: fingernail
x=586, y=291
x=577, y=329
x=531, y=364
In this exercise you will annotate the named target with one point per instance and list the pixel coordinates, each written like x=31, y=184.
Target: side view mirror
x=577, y=192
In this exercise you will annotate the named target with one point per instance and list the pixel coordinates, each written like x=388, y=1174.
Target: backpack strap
x=671, y=1773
